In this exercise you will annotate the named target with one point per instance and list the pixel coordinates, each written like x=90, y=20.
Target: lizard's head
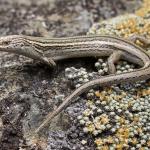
x=11, y=43
x=21, y=45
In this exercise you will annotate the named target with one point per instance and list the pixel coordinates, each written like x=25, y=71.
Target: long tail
x=138, y=75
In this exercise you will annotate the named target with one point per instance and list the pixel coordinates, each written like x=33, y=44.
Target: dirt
x=27, y=88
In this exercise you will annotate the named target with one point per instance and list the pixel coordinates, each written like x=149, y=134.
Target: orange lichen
x=97, y=93
x=104, y=143
x=134, y=26
x=118, y=97
x=139, y=130
x=148, y=143
x=135, y=119
x=101, y=95
x=104, y=119
x=99, y=142
x=119, y=146
x=142, y=148
x=123, y=133
x=131, y=23
x=145, y=92
x=105, y=95
x=134, y=141
x=101, y=120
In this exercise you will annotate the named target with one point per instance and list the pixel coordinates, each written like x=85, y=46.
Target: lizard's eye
x=5, y=42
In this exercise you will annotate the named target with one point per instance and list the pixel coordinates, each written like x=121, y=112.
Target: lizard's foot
x=49, y=61
x=112, y=59
x=141, y=38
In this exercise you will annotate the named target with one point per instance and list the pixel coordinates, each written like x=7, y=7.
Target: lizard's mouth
x=5, y=48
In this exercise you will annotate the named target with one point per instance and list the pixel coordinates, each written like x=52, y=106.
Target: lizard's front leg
x=48, y=61
x=39, y=55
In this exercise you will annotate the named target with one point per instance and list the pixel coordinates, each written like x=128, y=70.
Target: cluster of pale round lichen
x=80, y=76
x=122, y=66
x=118, y=119
x=101, y=66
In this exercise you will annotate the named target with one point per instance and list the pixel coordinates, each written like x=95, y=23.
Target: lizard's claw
x=49, y=61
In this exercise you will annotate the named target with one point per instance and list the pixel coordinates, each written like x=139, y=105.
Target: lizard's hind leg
x=112, y=59
x=142, y=39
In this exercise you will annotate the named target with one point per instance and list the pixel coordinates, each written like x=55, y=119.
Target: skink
x=50, y=50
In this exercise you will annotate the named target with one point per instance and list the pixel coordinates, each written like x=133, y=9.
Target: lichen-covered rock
x=28, y=90
x=123, y=26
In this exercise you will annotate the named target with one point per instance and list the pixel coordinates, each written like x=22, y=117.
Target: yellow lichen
x=122, y=120
x=91, y=127
x=109, y=140
x=105, y=147
x=145, y=9
x=87, y=112
x=89, y=103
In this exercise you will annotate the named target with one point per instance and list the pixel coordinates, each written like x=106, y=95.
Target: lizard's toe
x=49, y=61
